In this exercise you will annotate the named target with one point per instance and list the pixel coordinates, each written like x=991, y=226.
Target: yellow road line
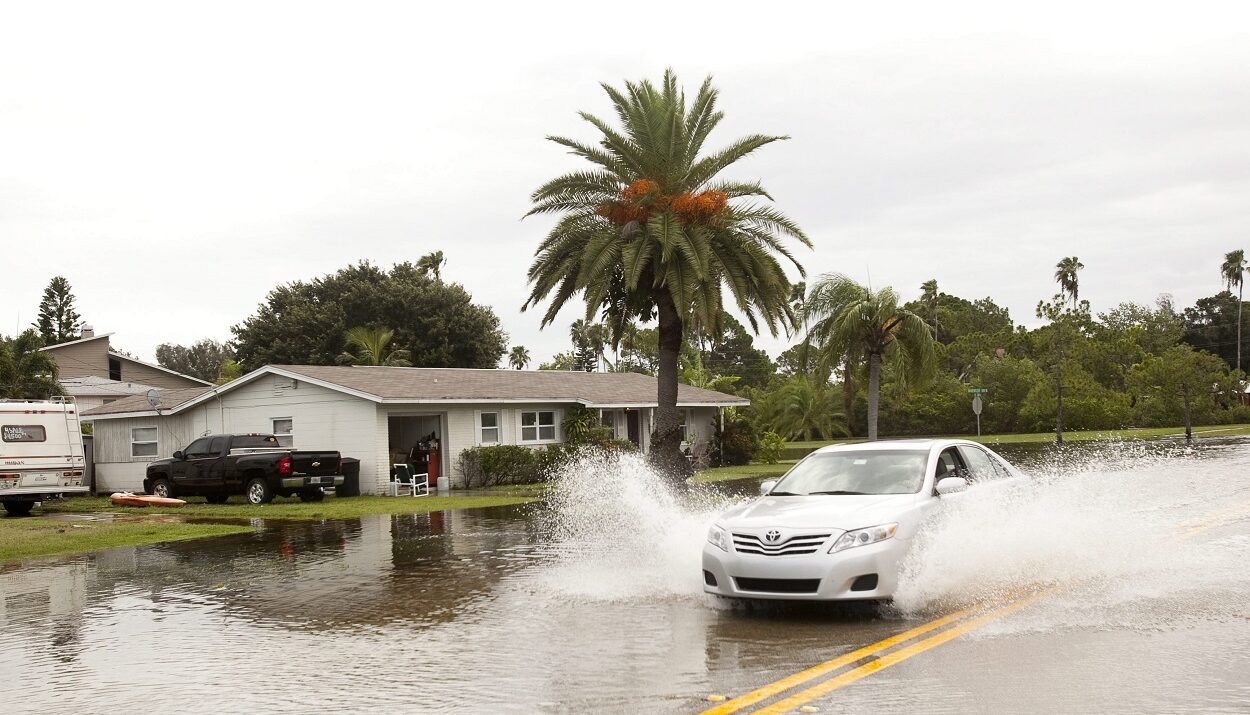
x=792, y=681
x=895, y=657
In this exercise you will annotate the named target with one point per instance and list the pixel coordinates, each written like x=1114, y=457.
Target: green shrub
x=734, y=444
x=501, y=464
x=770, y=448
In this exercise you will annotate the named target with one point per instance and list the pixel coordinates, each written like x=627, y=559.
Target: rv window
x=24, y=433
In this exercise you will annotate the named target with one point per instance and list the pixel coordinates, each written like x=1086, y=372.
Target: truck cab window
x=217, y=446
x=198, y=448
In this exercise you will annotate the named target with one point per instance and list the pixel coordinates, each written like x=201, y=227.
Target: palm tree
x=431, y=264
x=846, y=318
x=929, y=295
x=1232, y=271
x=373, y=346
x=650, y=232
x=26, y=373
x=805, y=409
x=1065, y=273
x=519, y=358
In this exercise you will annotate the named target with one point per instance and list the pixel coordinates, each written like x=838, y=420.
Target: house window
x=685, y=433
x=115, y=369
x=142, y=441
x=488, y=428
x=538, y=426
x=282, y=429
x=607, y=420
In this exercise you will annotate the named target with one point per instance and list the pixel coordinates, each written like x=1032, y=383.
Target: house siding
x=323, y=419
x=146, y=375
x=89, y=359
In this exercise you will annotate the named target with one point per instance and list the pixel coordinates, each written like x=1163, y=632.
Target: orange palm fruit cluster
x=699, y=207
x=642, y=197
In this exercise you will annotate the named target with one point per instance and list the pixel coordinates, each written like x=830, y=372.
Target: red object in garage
x=432, y=480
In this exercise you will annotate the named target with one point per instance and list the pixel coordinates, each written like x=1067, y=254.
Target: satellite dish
x=154, y=399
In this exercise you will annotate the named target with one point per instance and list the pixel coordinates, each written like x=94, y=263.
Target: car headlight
x=718, y=537
x=863, y=537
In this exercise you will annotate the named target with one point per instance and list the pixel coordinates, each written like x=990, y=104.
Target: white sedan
x=838, y=524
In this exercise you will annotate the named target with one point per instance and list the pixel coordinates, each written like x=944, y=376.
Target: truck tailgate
x=315, y=464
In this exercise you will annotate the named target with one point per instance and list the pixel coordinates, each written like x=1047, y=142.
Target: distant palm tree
x=373, y=348
x=1065, y=274
x=519, y=358
x=805, y=409
x=929, y=295
x=651, y=232
x=431, y=264
x=845, y=318
x=1233, y=272
x=26, y=373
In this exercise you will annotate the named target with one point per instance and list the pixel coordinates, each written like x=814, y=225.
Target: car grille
x=778, y=585
x=793, y=546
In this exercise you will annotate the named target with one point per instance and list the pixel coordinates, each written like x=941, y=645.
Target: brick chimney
x=88, y=331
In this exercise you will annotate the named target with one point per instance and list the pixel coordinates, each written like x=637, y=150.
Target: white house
x=377, y=414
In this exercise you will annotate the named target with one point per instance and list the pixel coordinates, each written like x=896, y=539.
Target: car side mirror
x=951, y=485
x=767, y=486
x=179, y=455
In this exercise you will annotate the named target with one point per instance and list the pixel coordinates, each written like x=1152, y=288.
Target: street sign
x=976, y=405
x=978, y=390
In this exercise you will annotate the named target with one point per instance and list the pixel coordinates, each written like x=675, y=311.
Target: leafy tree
x=1233, y=272
x=561, y=361
x=307, y=322
x=639, y=350
x=230, y=370
x=373, y=347
x=1211, y=325
x=1153, y=329
x=651, y=232
x=845, y=318
x=590, y=340
x=431, y=265
x=519, y=358
x=1066, y=276
x=58, y=321
x=695, y=374
x=799, y=359
x=1181, y=375
x=929, y=297
x=27, y=373
x=1010, y=379
x=203, y=359
x=731, y=351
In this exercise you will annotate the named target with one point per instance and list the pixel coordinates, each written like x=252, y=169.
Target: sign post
x=976, y=393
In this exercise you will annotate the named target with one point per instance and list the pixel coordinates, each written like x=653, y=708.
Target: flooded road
x=1135, y=558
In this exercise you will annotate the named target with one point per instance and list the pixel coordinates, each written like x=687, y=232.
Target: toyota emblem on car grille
x=772, y=535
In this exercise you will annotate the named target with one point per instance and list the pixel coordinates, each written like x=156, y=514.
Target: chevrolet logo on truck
x=316, y=464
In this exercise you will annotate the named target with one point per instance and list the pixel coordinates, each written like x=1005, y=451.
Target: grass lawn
x=293, y=508
x=745, y=471
x=26, y=538
x=536, y=489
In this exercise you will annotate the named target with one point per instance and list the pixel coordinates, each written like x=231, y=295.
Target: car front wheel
x=162, y=488
x=258, y=492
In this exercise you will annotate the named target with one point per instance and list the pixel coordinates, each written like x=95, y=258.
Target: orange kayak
x=128, y=499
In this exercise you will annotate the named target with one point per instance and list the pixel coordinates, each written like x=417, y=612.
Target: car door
x=193, y=461
x=982, y=469
x=212, y=468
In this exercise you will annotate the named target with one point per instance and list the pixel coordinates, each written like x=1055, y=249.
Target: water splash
x=1111, y=518
x=621, y=531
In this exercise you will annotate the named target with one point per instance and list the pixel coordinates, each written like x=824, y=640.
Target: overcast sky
x=175, y=164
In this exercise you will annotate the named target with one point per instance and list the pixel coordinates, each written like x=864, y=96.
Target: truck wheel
x=18, y=508
x=163, y=488
x=258, y=491
x=312, y=495
x=216, y=498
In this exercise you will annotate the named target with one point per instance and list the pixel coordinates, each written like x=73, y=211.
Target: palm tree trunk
x=1240, y=287
x=1059, y=400
x=874, y=387
x=666, y=437
x=848, y=395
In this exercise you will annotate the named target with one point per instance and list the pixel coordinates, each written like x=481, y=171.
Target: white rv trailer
x=41, y=454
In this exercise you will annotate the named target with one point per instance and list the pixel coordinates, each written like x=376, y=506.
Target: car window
x=217, y=445
x=948, y=461
x=1001, y=467
x=980, y=467
x=198, y=448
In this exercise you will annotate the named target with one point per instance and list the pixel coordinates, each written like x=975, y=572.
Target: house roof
x=415, y=385
x=119, y=356
x=76, y=342
x=91, y=385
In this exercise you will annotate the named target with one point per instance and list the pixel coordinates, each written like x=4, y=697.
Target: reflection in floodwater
x=593, y=603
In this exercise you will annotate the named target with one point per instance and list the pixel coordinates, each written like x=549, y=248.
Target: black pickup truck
x=253, y=465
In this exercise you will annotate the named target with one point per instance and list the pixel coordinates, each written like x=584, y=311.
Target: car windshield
x=856, y=472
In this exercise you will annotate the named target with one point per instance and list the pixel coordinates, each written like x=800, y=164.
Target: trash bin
x=444, y=485
x=351, y=478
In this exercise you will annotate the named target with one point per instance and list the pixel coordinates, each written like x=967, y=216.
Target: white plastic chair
x=416, y=484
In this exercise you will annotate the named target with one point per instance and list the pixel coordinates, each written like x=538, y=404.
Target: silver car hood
x=822, y=511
